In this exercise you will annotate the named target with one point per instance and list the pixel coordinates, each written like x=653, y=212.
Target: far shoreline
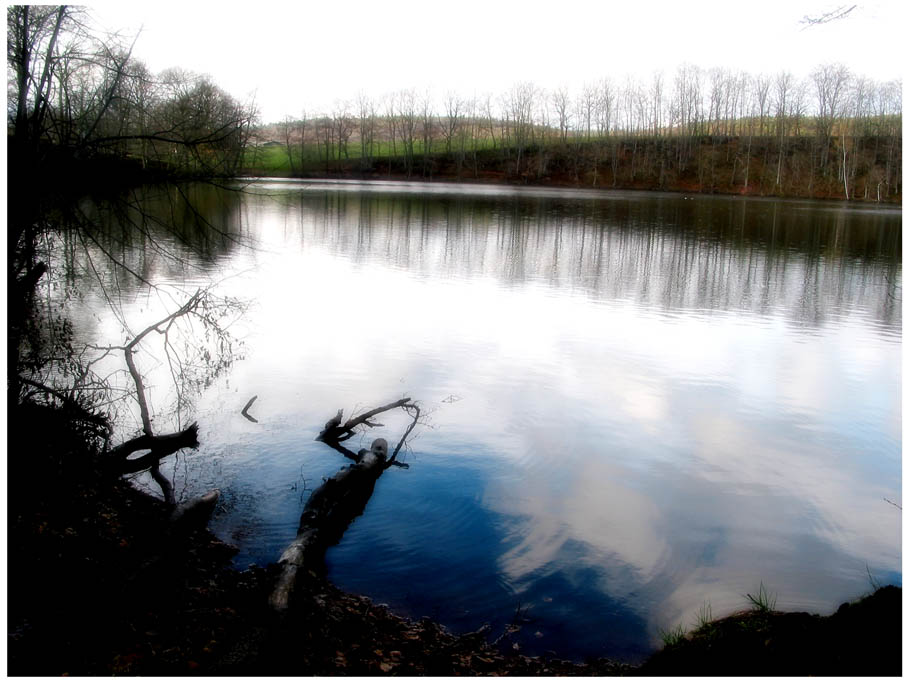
x=256, y=175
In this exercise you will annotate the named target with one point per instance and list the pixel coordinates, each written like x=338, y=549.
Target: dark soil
x=100, y=583
x=861, y=638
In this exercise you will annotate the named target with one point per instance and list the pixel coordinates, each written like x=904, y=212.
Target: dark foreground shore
x=100, y=583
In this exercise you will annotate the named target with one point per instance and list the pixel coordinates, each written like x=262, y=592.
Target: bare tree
x=587, y=106
x=286, y=128
x=407, y=125
x=561, y=101
x=489, y=118
x=75, y=97
x=830, y=83
x=344, y=126
x=367, y=128
x=454, y=111
x=761, y=88
x=427, y=124
x=783, y=85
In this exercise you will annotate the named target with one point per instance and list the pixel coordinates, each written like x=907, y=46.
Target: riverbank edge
x=101, y=583
x=546, y=169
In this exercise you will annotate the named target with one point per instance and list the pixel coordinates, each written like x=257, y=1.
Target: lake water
x=639, y=404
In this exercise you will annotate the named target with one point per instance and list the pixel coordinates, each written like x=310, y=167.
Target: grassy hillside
x=755, y=166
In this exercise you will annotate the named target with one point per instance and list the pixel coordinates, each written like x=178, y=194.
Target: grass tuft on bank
x=863, y=637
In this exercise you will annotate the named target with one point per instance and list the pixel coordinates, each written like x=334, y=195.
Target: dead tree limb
x=166, y=444
x=414, y=410
x=334, y=505
x=160, y=447
x=245, y=409
x=838, y=13
x=335, y=431
x=197, y=511
x=193, y=512
x=129, y=349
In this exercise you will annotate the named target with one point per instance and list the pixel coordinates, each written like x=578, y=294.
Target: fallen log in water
x=194, y=512
x=159, y=447
x=339, y=500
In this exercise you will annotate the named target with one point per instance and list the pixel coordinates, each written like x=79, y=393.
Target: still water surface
x=638, y=403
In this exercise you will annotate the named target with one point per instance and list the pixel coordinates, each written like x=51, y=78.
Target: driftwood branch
x=336, y=503
x=246, y=414
x=158, y=446
x=192, y=513
x=335, y=431
x=329, y=511
x=196, y=512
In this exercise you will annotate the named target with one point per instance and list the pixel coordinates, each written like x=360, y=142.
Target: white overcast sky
x=309, y=55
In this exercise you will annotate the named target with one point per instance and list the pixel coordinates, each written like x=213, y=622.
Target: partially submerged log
x=330, y=510
x=194, y=512
x=339, y=500
x=158, y=447
x=197, y=511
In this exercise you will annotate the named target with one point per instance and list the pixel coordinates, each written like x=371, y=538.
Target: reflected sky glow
x=657, y=402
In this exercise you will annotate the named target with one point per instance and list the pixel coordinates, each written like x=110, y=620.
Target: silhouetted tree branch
x=840, y=12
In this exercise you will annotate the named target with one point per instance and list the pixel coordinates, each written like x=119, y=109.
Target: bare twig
x=69, y=401
x=839, y=13
x=414, y=410
x=335, y=431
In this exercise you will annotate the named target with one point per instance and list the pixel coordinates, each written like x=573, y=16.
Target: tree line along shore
x=709, y=165
x=832, y=134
